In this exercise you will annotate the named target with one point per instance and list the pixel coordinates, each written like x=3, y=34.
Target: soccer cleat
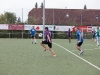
x=32, y=42
x=98, y=45
x=81, y=53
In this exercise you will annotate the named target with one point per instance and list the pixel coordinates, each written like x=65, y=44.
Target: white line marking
x=96, y=48
x=77, y=56
x=87, y=49
x=84, y=44
x=89, y=44
x=69, y=43
x=84, y=50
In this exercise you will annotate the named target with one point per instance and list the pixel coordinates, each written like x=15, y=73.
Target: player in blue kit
x=33, y=32
x=80, y=39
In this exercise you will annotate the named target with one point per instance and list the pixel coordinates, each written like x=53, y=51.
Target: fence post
x=22, y=35
x=52, y=35
x=9, y=35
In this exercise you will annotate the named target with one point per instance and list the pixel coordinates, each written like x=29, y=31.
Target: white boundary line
x=87, y=49
x=84, y=44
x=83, y=50
x=77, y=56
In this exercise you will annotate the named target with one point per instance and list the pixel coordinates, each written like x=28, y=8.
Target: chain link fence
x=55, y=35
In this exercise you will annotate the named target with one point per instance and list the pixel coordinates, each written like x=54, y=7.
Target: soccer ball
x=40, y=35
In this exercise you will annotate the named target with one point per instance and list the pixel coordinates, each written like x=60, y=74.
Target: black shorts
x=79, y=44
x=93, y=36
x=32, y=36
x=48, y=43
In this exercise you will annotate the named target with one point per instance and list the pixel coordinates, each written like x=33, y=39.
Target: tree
x=8, y=18
x=18, y=20
x=41, y=5
x=85, y=7
x=2, y=19
x=36, y=5
x=32, y=20
x=26, y=22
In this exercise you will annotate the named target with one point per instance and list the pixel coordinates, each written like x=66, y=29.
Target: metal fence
x=55, y=35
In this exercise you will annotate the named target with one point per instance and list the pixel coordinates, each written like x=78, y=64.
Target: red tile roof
x=58, y=16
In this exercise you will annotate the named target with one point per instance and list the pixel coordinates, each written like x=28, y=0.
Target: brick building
x=65, y=16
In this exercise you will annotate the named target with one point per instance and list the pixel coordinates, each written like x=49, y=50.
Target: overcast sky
x=17, y=5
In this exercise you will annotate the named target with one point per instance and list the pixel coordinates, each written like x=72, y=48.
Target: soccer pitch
x=21, y=57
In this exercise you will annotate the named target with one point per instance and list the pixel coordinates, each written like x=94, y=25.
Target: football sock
x=32, y=40
x=35, y=40
x=81, y=50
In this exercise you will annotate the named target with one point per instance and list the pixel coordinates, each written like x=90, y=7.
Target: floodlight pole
x=67, y=15
x=22, y=15
x=81, y=18
x=43, y=17
x=97, y=18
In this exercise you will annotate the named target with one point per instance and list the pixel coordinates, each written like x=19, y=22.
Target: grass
x=21, y=57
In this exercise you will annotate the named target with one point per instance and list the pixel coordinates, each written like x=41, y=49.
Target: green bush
x=26, y=34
